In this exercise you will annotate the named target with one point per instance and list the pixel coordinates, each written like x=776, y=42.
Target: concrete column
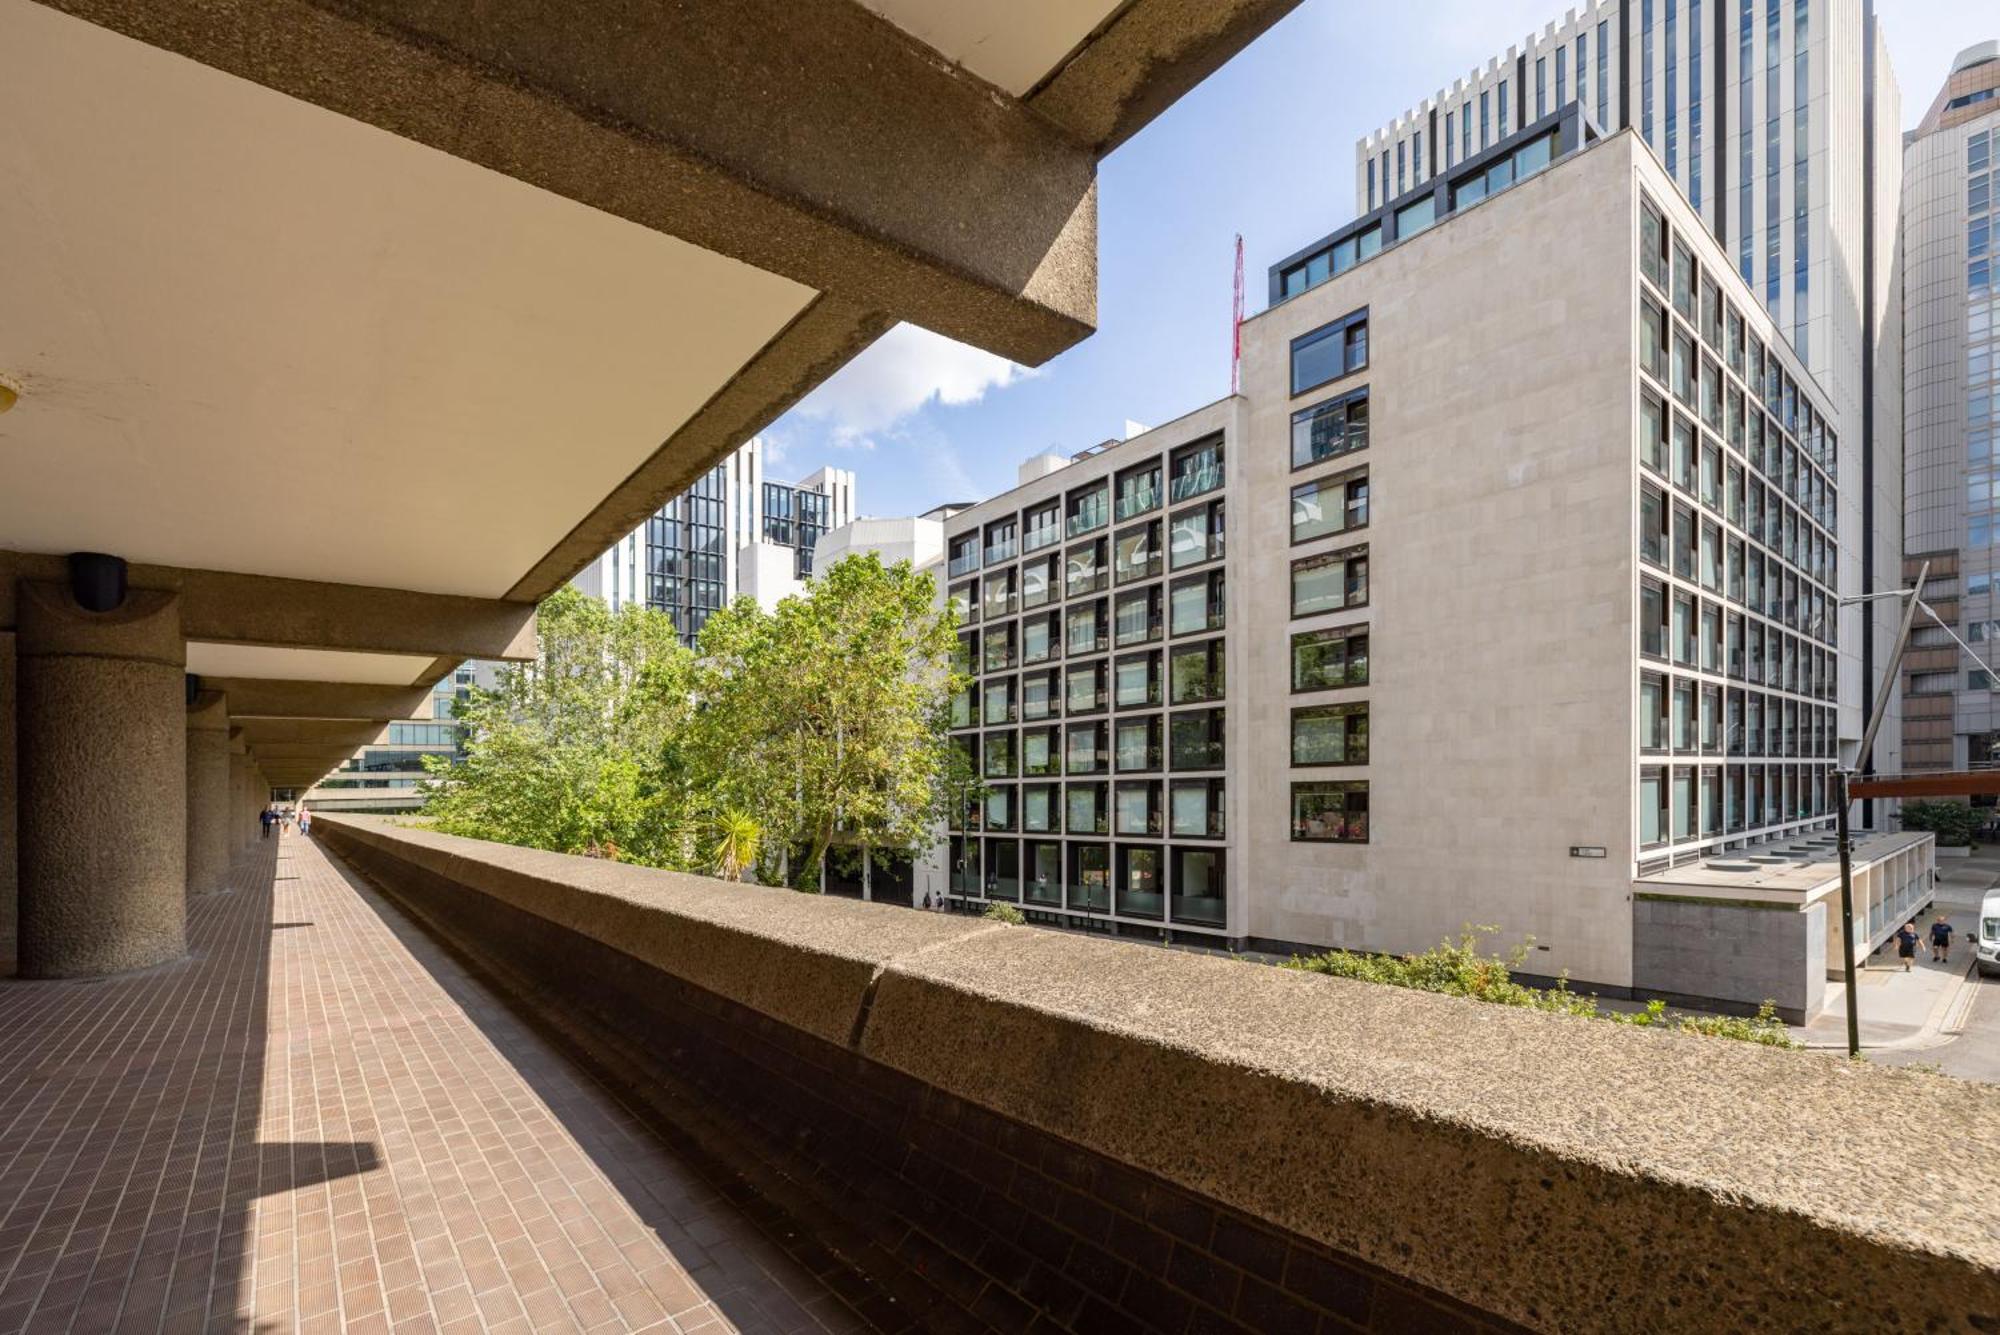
x=208, y=793
x=102, y=744
x=240, y=831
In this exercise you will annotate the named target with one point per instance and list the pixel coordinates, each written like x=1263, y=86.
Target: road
x=1975, y=1053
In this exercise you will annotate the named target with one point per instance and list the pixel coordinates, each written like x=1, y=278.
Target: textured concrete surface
x=1732, y=951
x=1786, y=1189
x=207, y=792
x=865, y=165
x=312, y=614
x=103, y=811
x=748, y=943
x=1666, y=1182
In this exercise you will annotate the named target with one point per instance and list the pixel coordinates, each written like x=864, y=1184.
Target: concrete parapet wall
x=1508, y=1168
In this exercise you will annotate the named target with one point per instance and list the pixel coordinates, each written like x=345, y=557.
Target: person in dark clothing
x=264, y=818
x=1906, y=943
x=1940, y=940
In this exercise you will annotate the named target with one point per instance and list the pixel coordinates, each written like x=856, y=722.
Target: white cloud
x=905, y=370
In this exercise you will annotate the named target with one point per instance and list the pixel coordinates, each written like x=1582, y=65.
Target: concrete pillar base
x=102, y=742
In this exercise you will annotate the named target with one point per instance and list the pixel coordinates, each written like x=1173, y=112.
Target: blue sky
x=1265, y=147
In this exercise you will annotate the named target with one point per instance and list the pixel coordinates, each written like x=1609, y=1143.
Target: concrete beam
x=264, y=732
x=254, y=698
x=819, y=341
x=224, y=606
x=820, y=142
x=1141, y=62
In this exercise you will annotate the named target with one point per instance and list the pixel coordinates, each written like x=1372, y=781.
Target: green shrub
x=1954, y=823
x=1458, y=969
x=1006, y=913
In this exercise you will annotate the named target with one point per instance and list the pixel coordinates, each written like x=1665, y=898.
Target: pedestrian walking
x=1906, y=943
x=305, y=821
x=264, y=818
x=1941, y=940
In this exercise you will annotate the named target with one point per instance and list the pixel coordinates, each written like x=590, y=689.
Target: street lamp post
x=1913, y=598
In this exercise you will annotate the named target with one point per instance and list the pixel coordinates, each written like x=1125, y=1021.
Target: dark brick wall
x=924, y=1212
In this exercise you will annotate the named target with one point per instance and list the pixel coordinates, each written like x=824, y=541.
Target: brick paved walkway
x=320, y=1122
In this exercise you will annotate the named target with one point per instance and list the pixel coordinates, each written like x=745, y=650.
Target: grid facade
x=1738, y=562
x=1094, y=622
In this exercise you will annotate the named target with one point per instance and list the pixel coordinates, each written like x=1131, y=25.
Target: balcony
x=368, y=1111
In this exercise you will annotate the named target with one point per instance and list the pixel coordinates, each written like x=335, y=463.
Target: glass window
x=964, y=552
x=999, y=814
x=1041, y=808
x=1195, y=809
x=1089, y=882
x=1414, y=218
x=1330, y=735
x=1000, y=593
x=1195, y=536
x=1136, y=680
x=1322, y=659
x=1195, y=469
x=1652, y=432
x=1041, y=752
x=1325, y=506
x=1652, y=806
x=1041, y=637
x=1197, y=604
x=1045, y=879
x=1136, y=744
x=1329, y=352
x=1087, y=808
x=1089, y=509
x=1038, y=582
x=1135, y=617
x=1652, y=712
x=1196, y=739
x=1652, y=524
x=1138, y=489
x=1084, y=687
x=1041, y=527
x=1086, y=748
x=1337, y=426
x=1195, y=672
x=1000, y=650
x=965, y=602
x=1087, y=568
x=1136, y=807
x=1330, y=812
x=1001, y=756
x=999, y=703
x=1086, y=626
x=1327, y=583
x=1136, y=553
x=1138, y=880
x=1197, y=886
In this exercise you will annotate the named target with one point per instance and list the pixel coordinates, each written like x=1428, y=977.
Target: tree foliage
x=821, y=725
x=826, y=718
x=1954, y=823
x=578, y=751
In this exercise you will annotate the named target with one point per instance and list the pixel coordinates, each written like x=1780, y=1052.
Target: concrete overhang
x=251, y=698
x=444, y=300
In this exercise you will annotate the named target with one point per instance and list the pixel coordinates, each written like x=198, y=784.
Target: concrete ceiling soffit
x=819, y=142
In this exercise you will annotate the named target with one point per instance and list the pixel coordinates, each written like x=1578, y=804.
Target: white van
x=1987, y=944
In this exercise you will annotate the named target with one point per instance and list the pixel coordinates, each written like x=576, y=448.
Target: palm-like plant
x=737, y=838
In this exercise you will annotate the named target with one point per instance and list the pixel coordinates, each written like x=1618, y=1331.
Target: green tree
x=825, y=719
x=582, y=750
x=1954, y=823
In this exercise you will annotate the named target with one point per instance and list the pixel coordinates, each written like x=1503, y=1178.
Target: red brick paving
x=320, y=1122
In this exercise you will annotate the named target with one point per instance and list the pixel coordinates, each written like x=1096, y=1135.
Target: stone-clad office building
x=1525, y=616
